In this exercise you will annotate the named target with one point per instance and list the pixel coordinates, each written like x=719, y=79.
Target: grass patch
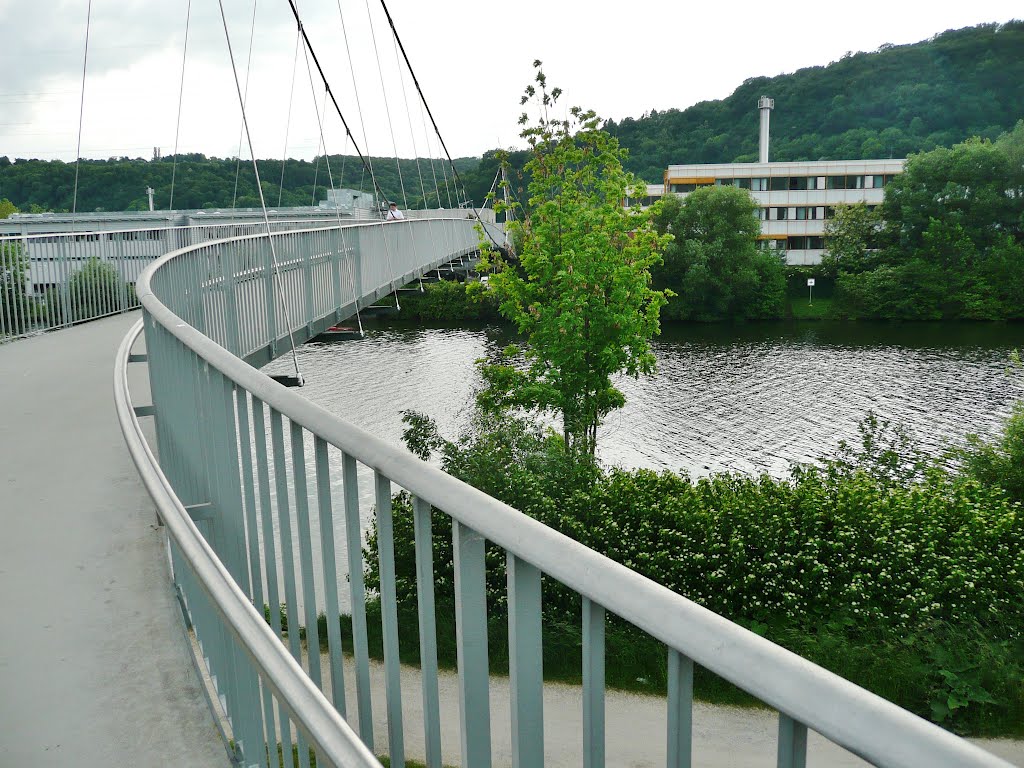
x=819, y=309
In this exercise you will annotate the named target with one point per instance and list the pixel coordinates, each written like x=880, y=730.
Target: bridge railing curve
x=248, y=473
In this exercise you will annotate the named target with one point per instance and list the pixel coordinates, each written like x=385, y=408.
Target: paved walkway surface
x=723, y=737
x=94, y=666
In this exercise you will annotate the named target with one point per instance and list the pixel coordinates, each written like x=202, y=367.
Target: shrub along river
x=749, y=399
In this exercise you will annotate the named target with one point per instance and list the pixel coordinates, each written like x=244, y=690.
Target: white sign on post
x=810, y=282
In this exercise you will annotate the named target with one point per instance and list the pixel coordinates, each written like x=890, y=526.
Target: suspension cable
x=288, y=124
x=330, y=177
x=81, y=112
x=387, y=108
x=245, y=100
x=259, y=186
x=181, y=93
x=366, y=137
x=327, y=86
x=419, y=90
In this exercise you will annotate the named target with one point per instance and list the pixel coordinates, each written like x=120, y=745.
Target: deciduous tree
x=581, y=294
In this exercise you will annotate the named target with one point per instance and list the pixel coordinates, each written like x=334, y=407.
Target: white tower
x=149, y=191
x=766, y=106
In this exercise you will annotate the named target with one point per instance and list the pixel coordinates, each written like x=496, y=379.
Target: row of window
x=794, y=183
x=794, y=243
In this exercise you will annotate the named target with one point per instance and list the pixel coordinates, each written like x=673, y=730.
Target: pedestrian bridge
x=251, y=481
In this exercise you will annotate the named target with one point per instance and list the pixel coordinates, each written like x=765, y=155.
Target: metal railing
x=248, y=471
x=55, y=279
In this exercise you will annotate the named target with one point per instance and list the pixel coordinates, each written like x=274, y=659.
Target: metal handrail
x=846, y=714
x=327, y=731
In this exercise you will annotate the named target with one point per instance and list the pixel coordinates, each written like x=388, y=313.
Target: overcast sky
x=472, y=59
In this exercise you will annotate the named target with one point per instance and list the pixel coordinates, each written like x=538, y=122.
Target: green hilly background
x=887, y=103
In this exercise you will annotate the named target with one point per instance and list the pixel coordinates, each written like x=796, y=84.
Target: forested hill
x=889, y=103
x=210, y=182
x=897, y=100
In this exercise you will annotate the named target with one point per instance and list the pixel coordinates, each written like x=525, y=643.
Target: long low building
x=794, y=200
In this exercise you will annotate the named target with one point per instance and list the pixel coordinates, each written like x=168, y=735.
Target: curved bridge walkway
x=95, y=669
x=94, y=665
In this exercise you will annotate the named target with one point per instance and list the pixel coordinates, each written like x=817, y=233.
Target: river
x=751, y=399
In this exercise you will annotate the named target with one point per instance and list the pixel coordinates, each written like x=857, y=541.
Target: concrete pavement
x=94, y=666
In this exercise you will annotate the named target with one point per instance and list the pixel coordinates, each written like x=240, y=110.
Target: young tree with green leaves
x=581, y=293
x=853, y=233
x=95, y=290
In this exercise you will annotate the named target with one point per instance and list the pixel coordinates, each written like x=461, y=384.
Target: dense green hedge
x=906, y=580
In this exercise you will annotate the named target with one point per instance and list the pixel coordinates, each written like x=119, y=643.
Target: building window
x=836, y=182
x=781, y=214
x=779, y=183
x=762, y=214
x=805, y=243
x=683, y=187
x=759, y=185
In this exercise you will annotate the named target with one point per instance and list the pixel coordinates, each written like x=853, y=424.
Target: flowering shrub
x=856, y=550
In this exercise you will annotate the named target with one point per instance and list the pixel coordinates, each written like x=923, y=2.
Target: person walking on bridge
x=393, y=213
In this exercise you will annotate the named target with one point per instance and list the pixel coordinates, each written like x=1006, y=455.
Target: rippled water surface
x=744, y=399
x=749, y=398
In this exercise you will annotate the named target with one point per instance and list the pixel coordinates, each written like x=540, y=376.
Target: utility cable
x=263, y=203
x=181, y=93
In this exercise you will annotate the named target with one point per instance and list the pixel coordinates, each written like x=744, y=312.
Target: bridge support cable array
x=330, y=178
x=259, y=186
x=245, y=100
x=250, y=431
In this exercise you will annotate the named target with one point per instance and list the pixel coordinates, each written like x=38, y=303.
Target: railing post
x=360, y=645
x=471, y=645
x=680, y=710
x=428, y=630
x=389, y=619
x=270, y=289
x=792, y=750
x=525, y=663
x=593, y=685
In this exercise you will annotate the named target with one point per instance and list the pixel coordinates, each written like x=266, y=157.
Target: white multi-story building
x=794, y=200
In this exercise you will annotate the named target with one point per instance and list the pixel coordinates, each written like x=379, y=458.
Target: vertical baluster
x=471, y=645
x=593, y=685
x=306, y=552
x=389, y=618
x=330, y=569
x=680, y=710
x=288, y=559
x=360, y=646
x=525, y=660
x=428, y=630
x=269, y=544
x=792, y=751
x=252, y=537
